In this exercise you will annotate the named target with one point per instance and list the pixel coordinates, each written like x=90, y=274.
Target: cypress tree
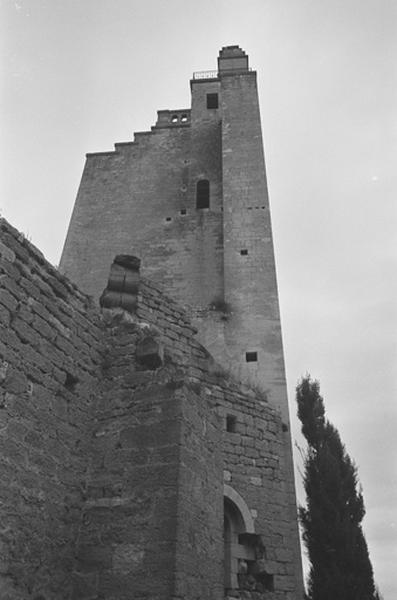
x=331, y=522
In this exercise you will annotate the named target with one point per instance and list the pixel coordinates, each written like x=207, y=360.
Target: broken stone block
x=123, y=284
x=116, y=278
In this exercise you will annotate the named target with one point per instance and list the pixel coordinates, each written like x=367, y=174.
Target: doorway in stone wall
x=238, y=557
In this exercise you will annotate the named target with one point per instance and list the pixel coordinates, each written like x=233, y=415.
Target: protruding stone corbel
x=123, y=284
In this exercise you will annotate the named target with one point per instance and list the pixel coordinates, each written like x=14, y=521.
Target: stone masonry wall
x=153, y=517
x=256, y=459
x=49, y=362
x=141, y=200
x=112, y=469
x=106, y=468
x=250, y=278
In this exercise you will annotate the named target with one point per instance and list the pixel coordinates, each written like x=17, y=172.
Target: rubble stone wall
x=49, y=368
x=112, y=469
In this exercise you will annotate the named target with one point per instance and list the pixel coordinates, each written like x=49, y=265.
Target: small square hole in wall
x=183, y=211
x=231, y=423
x=244, y=252
x=251, y=357
x=168, y=219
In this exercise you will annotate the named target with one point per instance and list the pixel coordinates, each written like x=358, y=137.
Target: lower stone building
x=132, y=465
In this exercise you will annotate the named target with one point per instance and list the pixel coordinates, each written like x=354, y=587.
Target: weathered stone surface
x=149, y=353
x=114, y=443
x=128, y=464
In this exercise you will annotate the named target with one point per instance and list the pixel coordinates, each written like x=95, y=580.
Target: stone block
x=128, y=558
x=8, y=300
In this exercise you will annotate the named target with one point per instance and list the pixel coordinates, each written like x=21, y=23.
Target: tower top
x=232, y=59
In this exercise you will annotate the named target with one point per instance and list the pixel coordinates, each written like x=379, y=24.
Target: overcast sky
x=79, y=75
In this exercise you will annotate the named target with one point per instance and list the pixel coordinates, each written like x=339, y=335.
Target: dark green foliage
x=338, y=553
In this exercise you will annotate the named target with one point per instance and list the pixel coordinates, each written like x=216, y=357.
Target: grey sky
x=77, y=76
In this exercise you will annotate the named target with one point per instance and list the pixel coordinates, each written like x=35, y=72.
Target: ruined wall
x=112, y=468
x=49, y=365
x=256, y=456
x=152, y=521
x=111, y=475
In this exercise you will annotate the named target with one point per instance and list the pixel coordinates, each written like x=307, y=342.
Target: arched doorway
x=237, y=555
x=242, y=548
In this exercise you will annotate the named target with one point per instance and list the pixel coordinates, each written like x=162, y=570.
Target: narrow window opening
x=70, y=382
x=231, y=423
x=284, y=427
x=183, y=118
x=251, y=357
x=174, y=119
x=203, y=194
x=244, y=252
x=212, y=100
x=183, y=211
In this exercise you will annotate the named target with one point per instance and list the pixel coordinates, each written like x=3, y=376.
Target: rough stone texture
x=154, y=467
x=50, y=360
x=141, y=200
x=112, y=472
x=118, y=429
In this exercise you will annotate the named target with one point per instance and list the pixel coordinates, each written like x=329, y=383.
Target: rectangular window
x=212, y=100
x=203, y=194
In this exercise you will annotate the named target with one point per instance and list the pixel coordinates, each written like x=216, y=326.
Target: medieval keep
x=144, y=426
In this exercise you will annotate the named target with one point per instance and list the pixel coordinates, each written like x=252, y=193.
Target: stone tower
x=190, y=199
